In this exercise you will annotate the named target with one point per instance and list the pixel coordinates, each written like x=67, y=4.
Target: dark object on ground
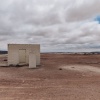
x=60, y=68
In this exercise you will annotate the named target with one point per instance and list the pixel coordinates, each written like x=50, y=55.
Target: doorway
x=22, y=55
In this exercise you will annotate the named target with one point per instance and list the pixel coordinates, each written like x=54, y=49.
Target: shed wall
x=13, y=52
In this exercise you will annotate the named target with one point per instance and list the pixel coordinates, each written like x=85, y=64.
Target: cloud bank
x=58, y=25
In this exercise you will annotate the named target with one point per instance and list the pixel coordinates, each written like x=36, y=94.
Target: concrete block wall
x=32, y=60
x=13, y=52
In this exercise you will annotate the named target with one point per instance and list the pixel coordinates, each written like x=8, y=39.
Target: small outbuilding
x=22, y=53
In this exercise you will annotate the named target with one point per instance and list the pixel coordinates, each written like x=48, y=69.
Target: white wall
x=32, y=60
x=13, y=52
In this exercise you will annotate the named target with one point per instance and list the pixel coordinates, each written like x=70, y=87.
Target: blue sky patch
x=97, y=19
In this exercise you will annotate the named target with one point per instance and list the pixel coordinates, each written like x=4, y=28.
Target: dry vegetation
x=60, y=77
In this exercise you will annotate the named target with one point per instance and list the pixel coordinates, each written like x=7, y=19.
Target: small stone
x=60, y=68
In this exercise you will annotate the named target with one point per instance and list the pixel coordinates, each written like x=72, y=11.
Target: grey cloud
x=86, y=10
x=56, y=24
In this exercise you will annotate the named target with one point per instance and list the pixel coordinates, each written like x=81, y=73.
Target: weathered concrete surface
x=32, y=60
x=16, y=56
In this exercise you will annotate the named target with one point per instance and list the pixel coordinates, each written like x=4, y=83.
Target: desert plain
x=59, y=77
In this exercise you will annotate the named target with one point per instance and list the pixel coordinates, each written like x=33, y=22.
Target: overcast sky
x=58, y=25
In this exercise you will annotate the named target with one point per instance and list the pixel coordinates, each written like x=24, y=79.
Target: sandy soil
x=60, y=77
x=82, y=68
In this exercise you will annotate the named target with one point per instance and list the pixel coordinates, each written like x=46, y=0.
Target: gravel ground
x=51, y=81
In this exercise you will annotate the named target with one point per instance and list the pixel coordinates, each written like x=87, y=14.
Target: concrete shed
x=19, y=53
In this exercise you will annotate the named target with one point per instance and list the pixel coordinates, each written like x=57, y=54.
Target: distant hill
x=86, y=53
x=3, y=52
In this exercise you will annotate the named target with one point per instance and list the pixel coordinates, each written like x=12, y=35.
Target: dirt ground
x=59, y=77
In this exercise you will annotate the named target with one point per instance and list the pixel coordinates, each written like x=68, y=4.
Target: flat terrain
x=60, y=77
